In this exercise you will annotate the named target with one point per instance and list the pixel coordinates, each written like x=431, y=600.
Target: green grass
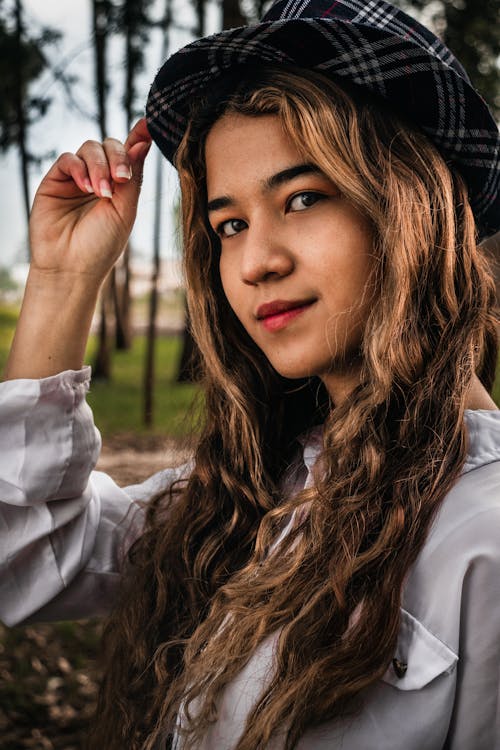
x=118, y=404
x=8, y=319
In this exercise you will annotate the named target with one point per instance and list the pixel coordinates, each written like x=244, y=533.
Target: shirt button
x=400, y=667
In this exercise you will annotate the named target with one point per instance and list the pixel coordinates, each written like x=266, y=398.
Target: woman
x=324, y=572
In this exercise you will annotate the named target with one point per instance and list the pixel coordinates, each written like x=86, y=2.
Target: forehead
x=242, y=150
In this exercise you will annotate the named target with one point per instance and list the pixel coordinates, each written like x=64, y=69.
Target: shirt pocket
x=420, y=656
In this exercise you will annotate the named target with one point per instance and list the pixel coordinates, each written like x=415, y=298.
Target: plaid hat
x=369, y=43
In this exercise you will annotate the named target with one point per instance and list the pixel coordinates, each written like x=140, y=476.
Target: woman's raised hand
x=85, y=207
x=82, y=215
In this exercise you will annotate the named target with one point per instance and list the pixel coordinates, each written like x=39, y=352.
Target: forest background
x=78, y=69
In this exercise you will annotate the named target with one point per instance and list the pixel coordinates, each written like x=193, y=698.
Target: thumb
x=137, y=155
x=137, y=146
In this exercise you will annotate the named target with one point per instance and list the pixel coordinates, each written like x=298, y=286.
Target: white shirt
x=64, y=531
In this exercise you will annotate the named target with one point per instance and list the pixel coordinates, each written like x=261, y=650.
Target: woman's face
x=296, y=256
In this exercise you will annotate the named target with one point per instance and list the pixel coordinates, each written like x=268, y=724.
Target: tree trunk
x=101, y=15
x=100, y=23
x=149, y=368
x=123, y=323
x=232, y=15
x=101, y=369
x=189, y=358
x=20, y=109
x=200, y=17
x=122, y=299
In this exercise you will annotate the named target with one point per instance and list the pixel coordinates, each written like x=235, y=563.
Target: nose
x=266, y=255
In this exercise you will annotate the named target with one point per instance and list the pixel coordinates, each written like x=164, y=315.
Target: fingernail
x=123, y=171
x=105, y=189
x=88, y=186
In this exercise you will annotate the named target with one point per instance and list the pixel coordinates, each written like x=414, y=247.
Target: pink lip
x=276, y=315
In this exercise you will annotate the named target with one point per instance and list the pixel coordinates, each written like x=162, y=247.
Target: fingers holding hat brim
x=138, y=134
x=137, y=146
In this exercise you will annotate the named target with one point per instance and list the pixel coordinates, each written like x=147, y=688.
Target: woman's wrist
x=54, y=324
x=47, y=282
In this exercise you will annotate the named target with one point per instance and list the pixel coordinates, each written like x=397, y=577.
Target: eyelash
x=220, y=228
x=318, y=196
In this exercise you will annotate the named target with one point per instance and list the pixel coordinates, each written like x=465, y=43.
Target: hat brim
x=423, y=87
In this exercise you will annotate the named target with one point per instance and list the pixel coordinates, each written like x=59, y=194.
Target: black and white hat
x=367, y=42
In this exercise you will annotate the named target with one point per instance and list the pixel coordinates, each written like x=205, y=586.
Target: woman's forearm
x=54, y=325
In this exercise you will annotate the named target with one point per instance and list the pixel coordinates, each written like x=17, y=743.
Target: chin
x=295, y=371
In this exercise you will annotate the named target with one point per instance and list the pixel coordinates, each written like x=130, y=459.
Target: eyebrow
x=270, y=183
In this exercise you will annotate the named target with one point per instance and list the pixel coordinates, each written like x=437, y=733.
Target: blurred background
x=77, y=69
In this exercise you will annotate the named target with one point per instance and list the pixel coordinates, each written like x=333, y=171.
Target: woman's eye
x=303, y=200
x=230, y=228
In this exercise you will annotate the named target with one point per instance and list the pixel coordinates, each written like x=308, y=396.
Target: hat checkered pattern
x=373, y=45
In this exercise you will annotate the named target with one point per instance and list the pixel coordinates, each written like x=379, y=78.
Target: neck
x=478, y=397
x=339, y=388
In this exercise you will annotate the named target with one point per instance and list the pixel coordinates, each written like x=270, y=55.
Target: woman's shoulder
x=474, y=499
x=464, y=540
x=483, y=433
x=470, y=512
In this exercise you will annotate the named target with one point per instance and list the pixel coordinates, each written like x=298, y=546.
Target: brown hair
x=201, y=594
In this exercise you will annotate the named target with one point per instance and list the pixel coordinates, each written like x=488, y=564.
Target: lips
x=277, y=314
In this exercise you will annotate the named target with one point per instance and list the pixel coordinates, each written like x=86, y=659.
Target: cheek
x=229, y=282
x=223, y=277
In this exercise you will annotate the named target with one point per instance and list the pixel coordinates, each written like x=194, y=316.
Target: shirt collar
x=312, y=443
x=483, y=427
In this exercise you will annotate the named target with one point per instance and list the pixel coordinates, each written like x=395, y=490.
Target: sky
x=63, y=129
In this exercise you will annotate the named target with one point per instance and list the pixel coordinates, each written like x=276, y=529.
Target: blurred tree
x=102, y=18
x=7, y=283
x=189, y=358
x=149, y=368
x=471, y=29
x=134, y=23
x=22, y=61
x=232, y=15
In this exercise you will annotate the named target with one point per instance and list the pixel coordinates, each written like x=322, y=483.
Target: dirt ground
x=130, y=459
x=49, y=673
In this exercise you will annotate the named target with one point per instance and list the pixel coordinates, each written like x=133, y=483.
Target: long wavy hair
x=201, y=590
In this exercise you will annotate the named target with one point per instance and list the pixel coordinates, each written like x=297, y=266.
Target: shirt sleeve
x=64, y=528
